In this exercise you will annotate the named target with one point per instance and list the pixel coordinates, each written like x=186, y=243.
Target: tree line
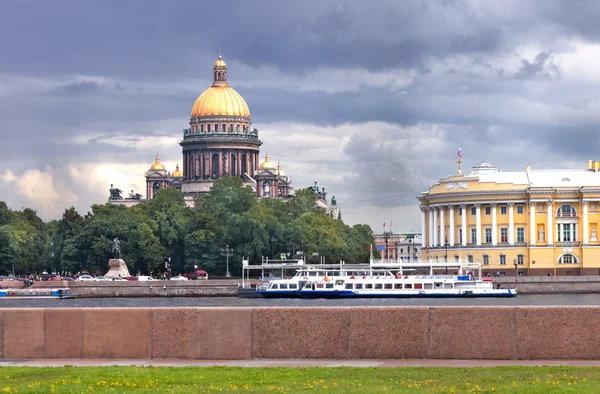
x=228, y=217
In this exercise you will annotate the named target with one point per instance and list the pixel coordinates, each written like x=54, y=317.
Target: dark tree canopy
x=164, y=227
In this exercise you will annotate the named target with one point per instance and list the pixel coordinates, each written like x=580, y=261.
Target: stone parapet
x=501, y=333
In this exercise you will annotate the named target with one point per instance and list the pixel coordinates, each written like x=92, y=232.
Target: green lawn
x=298, y=380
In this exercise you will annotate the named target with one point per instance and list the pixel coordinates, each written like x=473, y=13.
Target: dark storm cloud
x=393, y=86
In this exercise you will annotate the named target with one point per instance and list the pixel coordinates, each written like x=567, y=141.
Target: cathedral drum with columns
x=542, y=222
x=219, y=142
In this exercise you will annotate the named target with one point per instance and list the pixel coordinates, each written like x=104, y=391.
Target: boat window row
x=341, y=273
x=284, y=286
x=397, y=286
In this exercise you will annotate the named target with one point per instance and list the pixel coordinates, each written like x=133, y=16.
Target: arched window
x=218, y=76
x=266, y=189
x=202, y=128
x=155, y=187
x=237, y=128
x=568, y=258
x=566, y=211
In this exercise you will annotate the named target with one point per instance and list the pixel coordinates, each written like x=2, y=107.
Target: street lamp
x=227, y=251
x=446, y=254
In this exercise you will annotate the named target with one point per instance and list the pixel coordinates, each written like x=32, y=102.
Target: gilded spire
x=157, y=164
x=278, y=167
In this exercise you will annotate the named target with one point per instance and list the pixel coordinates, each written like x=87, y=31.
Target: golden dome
x=267, y=165
x=177, y=173
x=220, y=62
x=157, y=165
x=220, y=100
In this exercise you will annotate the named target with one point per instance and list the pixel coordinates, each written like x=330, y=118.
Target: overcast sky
x=371, y=99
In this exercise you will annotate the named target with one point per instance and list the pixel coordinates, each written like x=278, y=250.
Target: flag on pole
x=459, y=153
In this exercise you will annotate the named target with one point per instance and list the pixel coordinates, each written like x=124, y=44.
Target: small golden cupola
x=177, y=173
x=157, y=164
x=267, y=165
x=280, y=172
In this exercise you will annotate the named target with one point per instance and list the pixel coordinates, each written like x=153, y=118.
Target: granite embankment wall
x=229, y=287
x=551, y=284
x=162, y=288
x=320, y=332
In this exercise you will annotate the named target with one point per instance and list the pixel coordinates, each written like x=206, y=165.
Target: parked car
x=102, y=278
x=118, y=278
x=89, y=278
x=144, y=278
x=179, y=278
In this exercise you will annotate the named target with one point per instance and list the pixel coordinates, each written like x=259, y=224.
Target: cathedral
x=219, y=143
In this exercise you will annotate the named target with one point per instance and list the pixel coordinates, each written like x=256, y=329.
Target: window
x=459, y=211
x=460, y=236
x=202, y=128
x=473, y=235
x=503, y=210
x=293, y=286
x=208, y=128
x=488, y=235
x=473, y=211
x=566, y=233
x=520, y=259
x=456, y=258
x=401, y=250
x=502, y=259
x=567, y=259
x=486, y=259
x=520, y=234
x=503, y=234
x=488, y=210
x=566, y=211
x=237, y=128
x=520, y=209
x=223, y=127
x=216, y=127
x=470, y=258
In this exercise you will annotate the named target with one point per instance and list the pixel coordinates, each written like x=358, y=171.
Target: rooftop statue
x=333, y=200
x=115, y=194
x=116, y=248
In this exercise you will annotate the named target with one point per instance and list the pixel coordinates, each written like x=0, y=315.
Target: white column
x=478, y=223
x=494, y=226
x=430, y=232
x=571, y=228
x=435, y=227
x=442, y=226
x=550, y=226
x=586, y=238
x=451, y=227
x=463, y=208
x=511, y=223
x=423, y=229
x=532, y=224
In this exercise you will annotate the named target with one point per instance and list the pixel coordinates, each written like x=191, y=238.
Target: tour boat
x=33, y=293
x=386, y=280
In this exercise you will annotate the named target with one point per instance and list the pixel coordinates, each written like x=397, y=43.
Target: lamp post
x=227, y=251
x=446, y=254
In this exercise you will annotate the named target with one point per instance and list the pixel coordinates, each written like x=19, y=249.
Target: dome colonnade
x=219, y=142
x=528, y=223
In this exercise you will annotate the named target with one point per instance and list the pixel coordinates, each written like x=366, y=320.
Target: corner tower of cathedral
x=219, y=142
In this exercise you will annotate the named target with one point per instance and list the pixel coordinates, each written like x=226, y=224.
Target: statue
x=116, y=248
x=333, y=200
x=115, y=194
x=255, y=131
x=541, y=234
x=230, y=129
x=245, y=129
x=594, y=238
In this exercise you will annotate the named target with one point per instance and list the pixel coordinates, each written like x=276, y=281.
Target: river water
x=172, y=302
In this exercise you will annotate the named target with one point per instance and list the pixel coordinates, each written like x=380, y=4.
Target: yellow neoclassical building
x=540, y=222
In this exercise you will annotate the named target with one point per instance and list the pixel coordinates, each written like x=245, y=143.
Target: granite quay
x=499, y=333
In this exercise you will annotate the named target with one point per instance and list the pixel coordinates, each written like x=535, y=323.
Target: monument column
x=435, y=226
x=463, y=209
x=494, y=226
x=586, y=225
x=442, y=226
x=550, y=228
x=532, y=229
x=423, y=239
x=451, y=226
x=511, y=223
x=430, y=232
x=210, y=164
x=220, y=167
x=478, y=224
x=239, y=163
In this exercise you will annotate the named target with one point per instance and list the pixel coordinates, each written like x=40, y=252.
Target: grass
x=298, y=380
